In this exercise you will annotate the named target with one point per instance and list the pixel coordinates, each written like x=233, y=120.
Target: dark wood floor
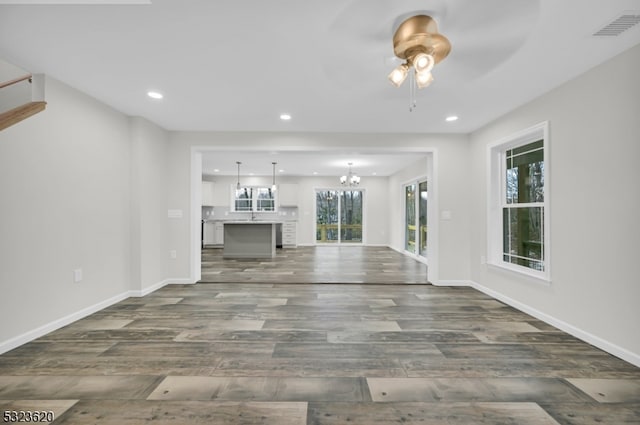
x=322, y=264
x=325, y=354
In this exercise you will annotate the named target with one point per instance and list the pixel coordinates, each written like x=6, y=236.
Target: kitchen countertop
x=235, y=220
x=251, y=222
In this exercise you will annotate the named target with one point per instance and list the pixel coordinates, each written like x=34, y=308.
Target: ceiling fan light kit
x=419, y=43
x=399, y=74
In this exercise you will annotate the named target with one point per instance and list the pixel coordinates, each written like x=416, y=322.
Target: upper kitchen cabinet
x=215, y=194
x=288, y=195
x=221, y=194
x=207, y=194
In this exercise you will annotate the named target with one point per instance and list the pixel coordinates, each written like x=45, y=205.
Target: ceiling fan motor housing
x=419, y=34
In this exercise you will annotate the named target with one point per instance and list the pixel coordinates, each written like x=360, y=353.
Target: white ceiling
x=237, y=65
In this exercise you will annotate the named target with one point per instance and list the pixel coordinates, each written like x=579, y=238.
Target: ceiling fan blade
x=484, y=35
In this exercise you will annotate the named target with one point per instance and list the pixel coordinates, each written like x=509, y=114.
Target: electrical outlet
x=173, y=254
x=77, y=275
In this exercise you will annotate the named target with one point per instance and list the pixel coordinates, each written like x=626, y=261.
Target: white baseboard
x=67, y=320
x=452, y=283
x=594, y=340
x=57, y=324
x=180, y=281
x=395, y=249
x=148, y=290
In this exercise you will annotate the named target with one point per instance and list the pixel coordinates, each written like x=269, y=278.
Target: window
x=265, y=199
x=518, y=206
x=244, y=199
x=258, y=199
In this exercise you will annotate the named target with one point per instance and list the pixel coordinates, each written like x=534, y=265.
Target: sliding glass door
x=339, y=216
x=410, y=218
x=327, y=214
x=422, y=219
x=415, y=222
x=351, y=216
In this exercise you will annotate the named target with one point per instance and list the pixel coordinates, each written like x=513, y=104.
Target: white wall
x=65, y=194
x=594, y=195
x=17, y=94
x=179, y=198
x=82, y=186
x=149, y=252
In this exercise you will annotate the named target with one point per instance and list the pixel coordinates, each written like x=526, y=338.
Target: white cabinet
x=209, y=233
x=288, y=195
x=289, y=238
x=213, y=233
x=219, y=233
x=207, y=194
x=221, y=195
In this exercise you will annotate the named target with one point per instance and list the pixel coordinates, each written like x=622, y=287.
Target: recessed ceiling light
x=375, y=174
x=216, y=170
x=452, y=118
x=315, y=173
x=281, y=171
x=155, y=95
x=285, y=117
x=252, y=174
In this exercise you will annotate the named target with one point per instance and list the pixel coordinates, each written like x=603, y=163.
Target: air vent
x=619, y=25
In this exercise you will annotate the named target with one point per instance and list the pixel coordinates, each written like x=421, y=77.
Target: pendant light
x=238, y=184
x=273, y=184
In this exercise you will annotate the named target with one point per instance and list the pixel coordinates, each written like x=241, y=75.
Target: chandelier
x=350, y=179
x=418, y=42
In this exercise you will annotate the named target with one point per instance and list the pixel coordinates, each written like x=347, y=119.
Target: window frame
x=497, y=192
x=254, y=200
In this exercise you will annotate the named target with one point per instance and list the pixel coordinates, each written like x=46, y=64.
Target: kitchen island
x=249, y=239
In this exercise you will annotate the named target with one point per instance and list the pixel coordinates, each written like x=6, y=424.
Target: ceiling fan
x=418, y=42
x=367, y=39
